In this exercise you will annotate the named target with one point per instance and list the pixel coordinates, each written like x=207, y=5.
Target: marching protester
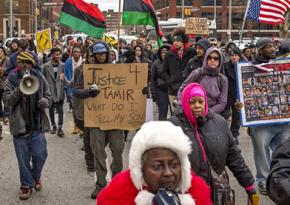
x=175, y=61
x=232, y=106
x=213, y=144
x=100, y=138
x=3, y=75
x=23, y=47
x=197, y=61
x=266, y=138
x=78, y=111
x=28, y=122
x=158, y=90
x=13, y=47
x=70, y=65
x=114, y=56
x=53, y=72
x=211, y=78
x=159, y=171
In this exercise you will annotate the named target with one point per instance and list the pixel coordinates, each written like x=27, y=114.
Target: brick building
x=23, y=17
x=205, y=8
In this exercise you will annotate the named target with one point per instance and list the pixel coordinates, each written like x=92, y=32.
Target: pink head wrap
x=192, y=90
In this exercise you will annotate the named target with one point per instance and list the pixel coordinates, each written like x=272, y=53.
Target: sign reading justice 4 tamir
x=120, y=104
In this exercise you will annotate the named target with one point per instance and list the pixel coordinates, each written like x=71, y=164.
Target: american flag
x=268, y=11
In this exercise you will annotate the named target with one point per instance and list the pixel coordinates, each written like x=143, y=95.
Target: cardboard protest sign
x=120, y=104
x=196, y=26
x=265, y=92
x=43, y=41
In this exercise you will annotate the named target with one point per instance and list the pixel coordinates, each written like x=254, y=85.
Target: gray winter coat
x=16, y=102
x=56, y=85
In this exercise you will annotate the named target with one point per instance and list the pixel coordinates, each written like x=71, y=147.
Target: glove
x=166, y=197
x=93, y=92
x=254, y=199
x=145, y=91
x=251, y=193
x=43, y=103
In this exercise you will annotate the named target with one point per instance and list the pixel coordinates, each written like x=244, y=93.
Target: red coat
x=121, y=191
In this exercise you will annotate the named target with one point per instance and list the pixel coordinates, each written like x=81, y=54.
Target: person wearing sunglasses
x=211, y=78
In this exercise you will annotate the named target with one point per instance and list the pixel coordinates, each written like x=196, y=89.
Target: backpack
x=220, y=78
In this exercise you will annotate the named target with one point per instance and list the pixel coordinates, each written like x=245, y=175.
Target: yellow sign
x=120, y=104
x=43, y=40
x=196, y=26
x=109, y=40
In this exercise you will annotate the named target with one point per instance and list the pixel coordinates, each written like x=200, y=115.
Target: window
x=186, y=2
x=239, y=3
x=15, y=6
x=211, y=2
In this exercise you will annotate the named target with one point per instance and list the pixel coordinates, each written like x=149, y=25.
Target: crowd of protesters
x=193, y=85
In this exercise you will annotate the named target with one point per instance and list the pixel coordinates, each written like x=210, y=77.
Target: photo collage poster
x=264, y=92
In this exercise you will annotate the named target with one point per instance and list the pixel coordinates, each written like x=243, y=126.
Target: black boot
x=60, y=133
x=96, y=192
x=53, y=131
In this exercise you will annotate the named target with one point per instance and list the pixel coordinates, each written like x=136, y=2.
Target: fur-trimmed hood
x=164, y=135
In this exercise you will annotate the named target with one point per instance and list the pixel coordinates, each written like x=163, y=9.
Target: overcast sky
x=104, y=5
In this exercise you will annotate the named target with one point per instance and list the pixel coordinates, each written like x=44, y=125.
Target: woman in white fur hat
x=158, y=161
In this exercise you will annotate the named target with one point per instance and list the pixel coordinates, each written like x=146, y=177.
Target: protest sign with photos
x=265, y=92
x=196, y=26
x=120, y=104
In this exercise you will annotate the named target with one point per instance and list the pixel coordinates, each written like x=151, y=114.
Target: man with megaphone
x=27, y=95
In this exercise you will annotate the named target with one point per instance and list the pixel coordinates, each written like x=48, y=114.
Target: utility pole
x=214, y=13
x=11, y=19
x=182, y=7
x=230, y=20
x=35, y=14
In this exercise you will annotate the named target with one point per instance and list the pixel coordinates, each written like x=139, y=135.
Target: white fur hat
x=161, y=134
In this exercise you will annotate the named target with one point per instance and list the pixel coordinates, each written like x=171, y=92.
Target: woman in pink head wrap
x=212, y=140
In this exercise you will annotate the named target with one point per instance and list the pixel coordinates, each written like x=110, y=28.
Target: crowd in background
x=178, y=71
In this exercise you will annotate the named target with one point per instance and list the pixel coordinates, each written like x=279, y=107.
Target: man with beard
x=266, y=137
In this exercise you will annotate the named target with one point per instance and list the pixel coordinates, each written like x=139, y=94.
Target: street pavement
x=65, y=178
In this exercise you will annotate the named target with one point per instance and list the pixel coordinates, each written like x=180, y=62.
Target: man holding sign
x=100, y=138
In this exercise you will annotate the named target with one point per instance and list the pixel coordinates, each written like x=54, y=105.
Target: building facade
x=226, y=28
x=23, y=17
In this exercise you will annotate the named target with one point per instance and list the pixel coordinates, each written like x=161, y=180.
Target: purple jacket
x=217, y=99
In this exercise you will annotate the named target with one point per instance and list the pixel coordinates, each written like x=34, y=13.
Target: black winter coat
x=278, y=182
x=193, y=64
x=230, y=72
x=220, y=147
x=173, y=68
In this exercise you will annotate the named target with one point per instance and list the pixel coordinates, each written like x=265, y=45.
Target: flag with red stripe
x=141, y=12
x=84, y=17
x=268, y=11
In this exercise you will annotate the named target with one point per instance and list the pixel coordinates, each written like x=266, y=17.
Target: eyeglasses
x=213, y=58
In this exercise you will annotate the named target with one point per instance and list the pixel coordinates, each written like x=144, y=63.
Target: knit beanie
x=262, y=42
x=204, y=43
x=236, y=51
x=25, y=56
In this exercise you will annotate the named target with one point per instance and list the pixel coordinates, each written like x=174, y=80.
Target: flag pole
x=119, y=25
x=244, y=22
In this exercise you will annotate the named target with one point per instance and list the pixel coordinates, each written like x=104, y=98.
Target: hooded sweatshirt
x=217, y=99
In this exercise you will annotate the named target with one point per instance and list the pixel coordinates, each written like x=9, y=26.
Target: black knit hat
x=262, y=42
x=179, y=34
x=236, y=51
x=204, y=43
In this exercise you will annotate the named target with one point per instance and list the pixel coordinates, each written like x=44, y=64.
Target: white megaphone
x=29, y=84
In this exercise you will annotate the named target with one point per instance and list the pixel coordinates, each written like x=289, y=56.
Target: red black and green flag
x=84, y=17
x=141, y=12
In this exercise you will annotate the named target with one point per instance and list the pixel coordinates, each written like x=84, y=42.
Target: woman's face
x=112, y=55
x=138, y=52
x=163, y=53
x=213, y=60
x=161, y=169
x=197, y=105
x=1, y=53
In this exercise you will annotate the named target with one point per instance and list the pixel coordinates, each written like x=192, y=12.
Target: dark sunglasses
x=213, y=58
